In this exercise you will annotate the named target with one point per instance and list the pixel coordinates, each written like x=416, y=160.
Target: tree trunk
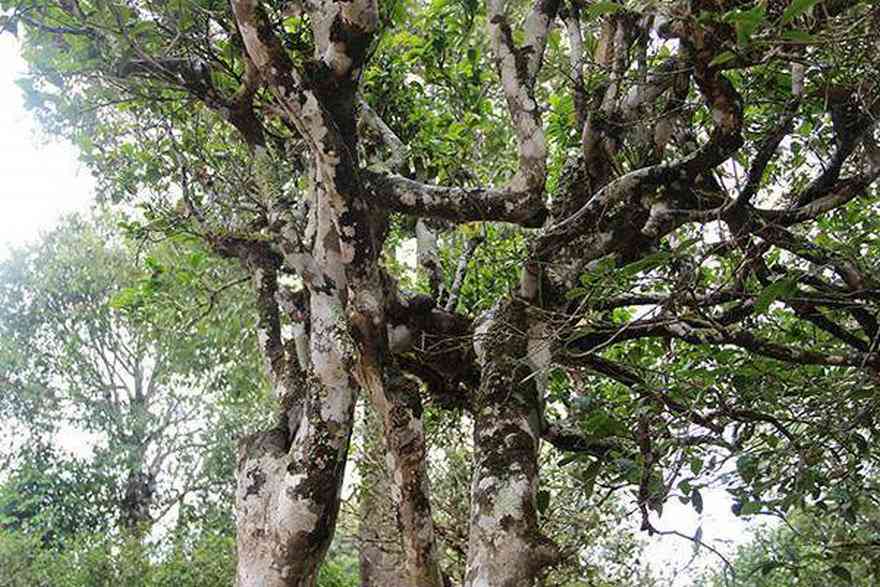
x=381, y=553
x=287, y=498
x=505, y=547
x=406, y=462
x=140, y=492
x=397, y=475
x=290, y=478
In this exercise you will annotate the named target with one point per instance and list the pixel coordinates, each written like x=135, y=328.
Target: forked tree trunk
x=505, y=546
x=289, y=479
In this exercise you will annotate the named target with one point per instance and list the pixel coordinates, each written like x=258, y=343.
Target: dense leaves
x=670, y=207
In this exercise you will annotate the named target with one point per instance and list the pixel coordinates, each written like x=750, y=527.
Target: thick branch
x=455, y=204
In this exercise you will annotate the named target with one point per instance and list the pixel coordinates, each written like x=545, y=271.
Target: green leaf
x=776, y=290
x=722, y=58
x=841, y=572
x=799, y=36
x=750, y=508
x=685, y=487
x=768, y=567
x=697, y=500
x=542, y=501
x=593, y=470
x=797, y=8
x=646, y=264
x=696, y=465
x=589, y=478
x=602, y=8
x=746, y=22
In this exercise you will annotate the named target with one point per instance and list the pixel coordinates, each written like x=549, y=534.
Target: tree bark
x=406, y=462
x=287, y=499
x=505, y=547
x=381, y=553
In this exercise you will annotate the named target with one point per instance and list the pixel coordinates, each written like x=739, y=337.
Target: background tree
x=810, y=548
x=676, y=208
x=52, y=498
x=134, y=382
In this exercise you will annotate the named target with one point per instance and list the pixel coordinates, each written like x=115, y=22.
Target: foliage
x=105, y=560
x=811, y=548
x=52, y=497
x=705, y=277
x=91, y=347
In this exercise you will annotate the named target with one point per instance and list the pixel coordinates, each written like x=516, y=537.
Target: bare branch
x=469, y=248
x=456, y=204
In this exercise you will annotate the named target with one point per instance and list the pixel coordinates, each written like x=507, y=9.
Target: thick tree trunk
x=287, y=498
x=290, y=478
x=506, y=548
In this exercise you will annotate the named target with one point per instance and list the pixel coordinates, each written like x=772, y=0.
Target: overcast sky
x=39, y=179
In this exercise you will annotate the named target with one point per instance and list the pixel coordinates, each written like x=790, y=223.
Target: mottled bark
x=290, y=478
x=288, y=494
x=406, y=461
x=287, y=498
x=505, y=546
x=380, y=550
x=657, y=137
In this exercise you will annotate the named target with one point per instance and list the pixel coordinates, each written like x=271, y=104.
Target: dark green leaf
x=542, y=501
x=768, y=567
x=841, y=572
x=697, y=500
x=799, y=36
x=797, y=8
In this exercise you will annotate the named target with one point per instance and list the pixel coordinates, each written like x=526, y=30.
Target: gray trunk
x=287, y=498
x=505, y=546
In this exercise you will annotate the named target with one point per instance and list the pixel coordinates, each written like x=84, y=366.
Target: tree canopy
x=645, y=236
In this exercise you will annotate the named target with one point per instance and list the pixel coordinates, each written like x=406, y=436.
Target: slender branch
x=397, y=161
x=461, y=271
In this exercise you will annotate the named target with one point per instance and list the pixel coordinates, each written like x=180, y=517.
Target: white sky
x=41, y=179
